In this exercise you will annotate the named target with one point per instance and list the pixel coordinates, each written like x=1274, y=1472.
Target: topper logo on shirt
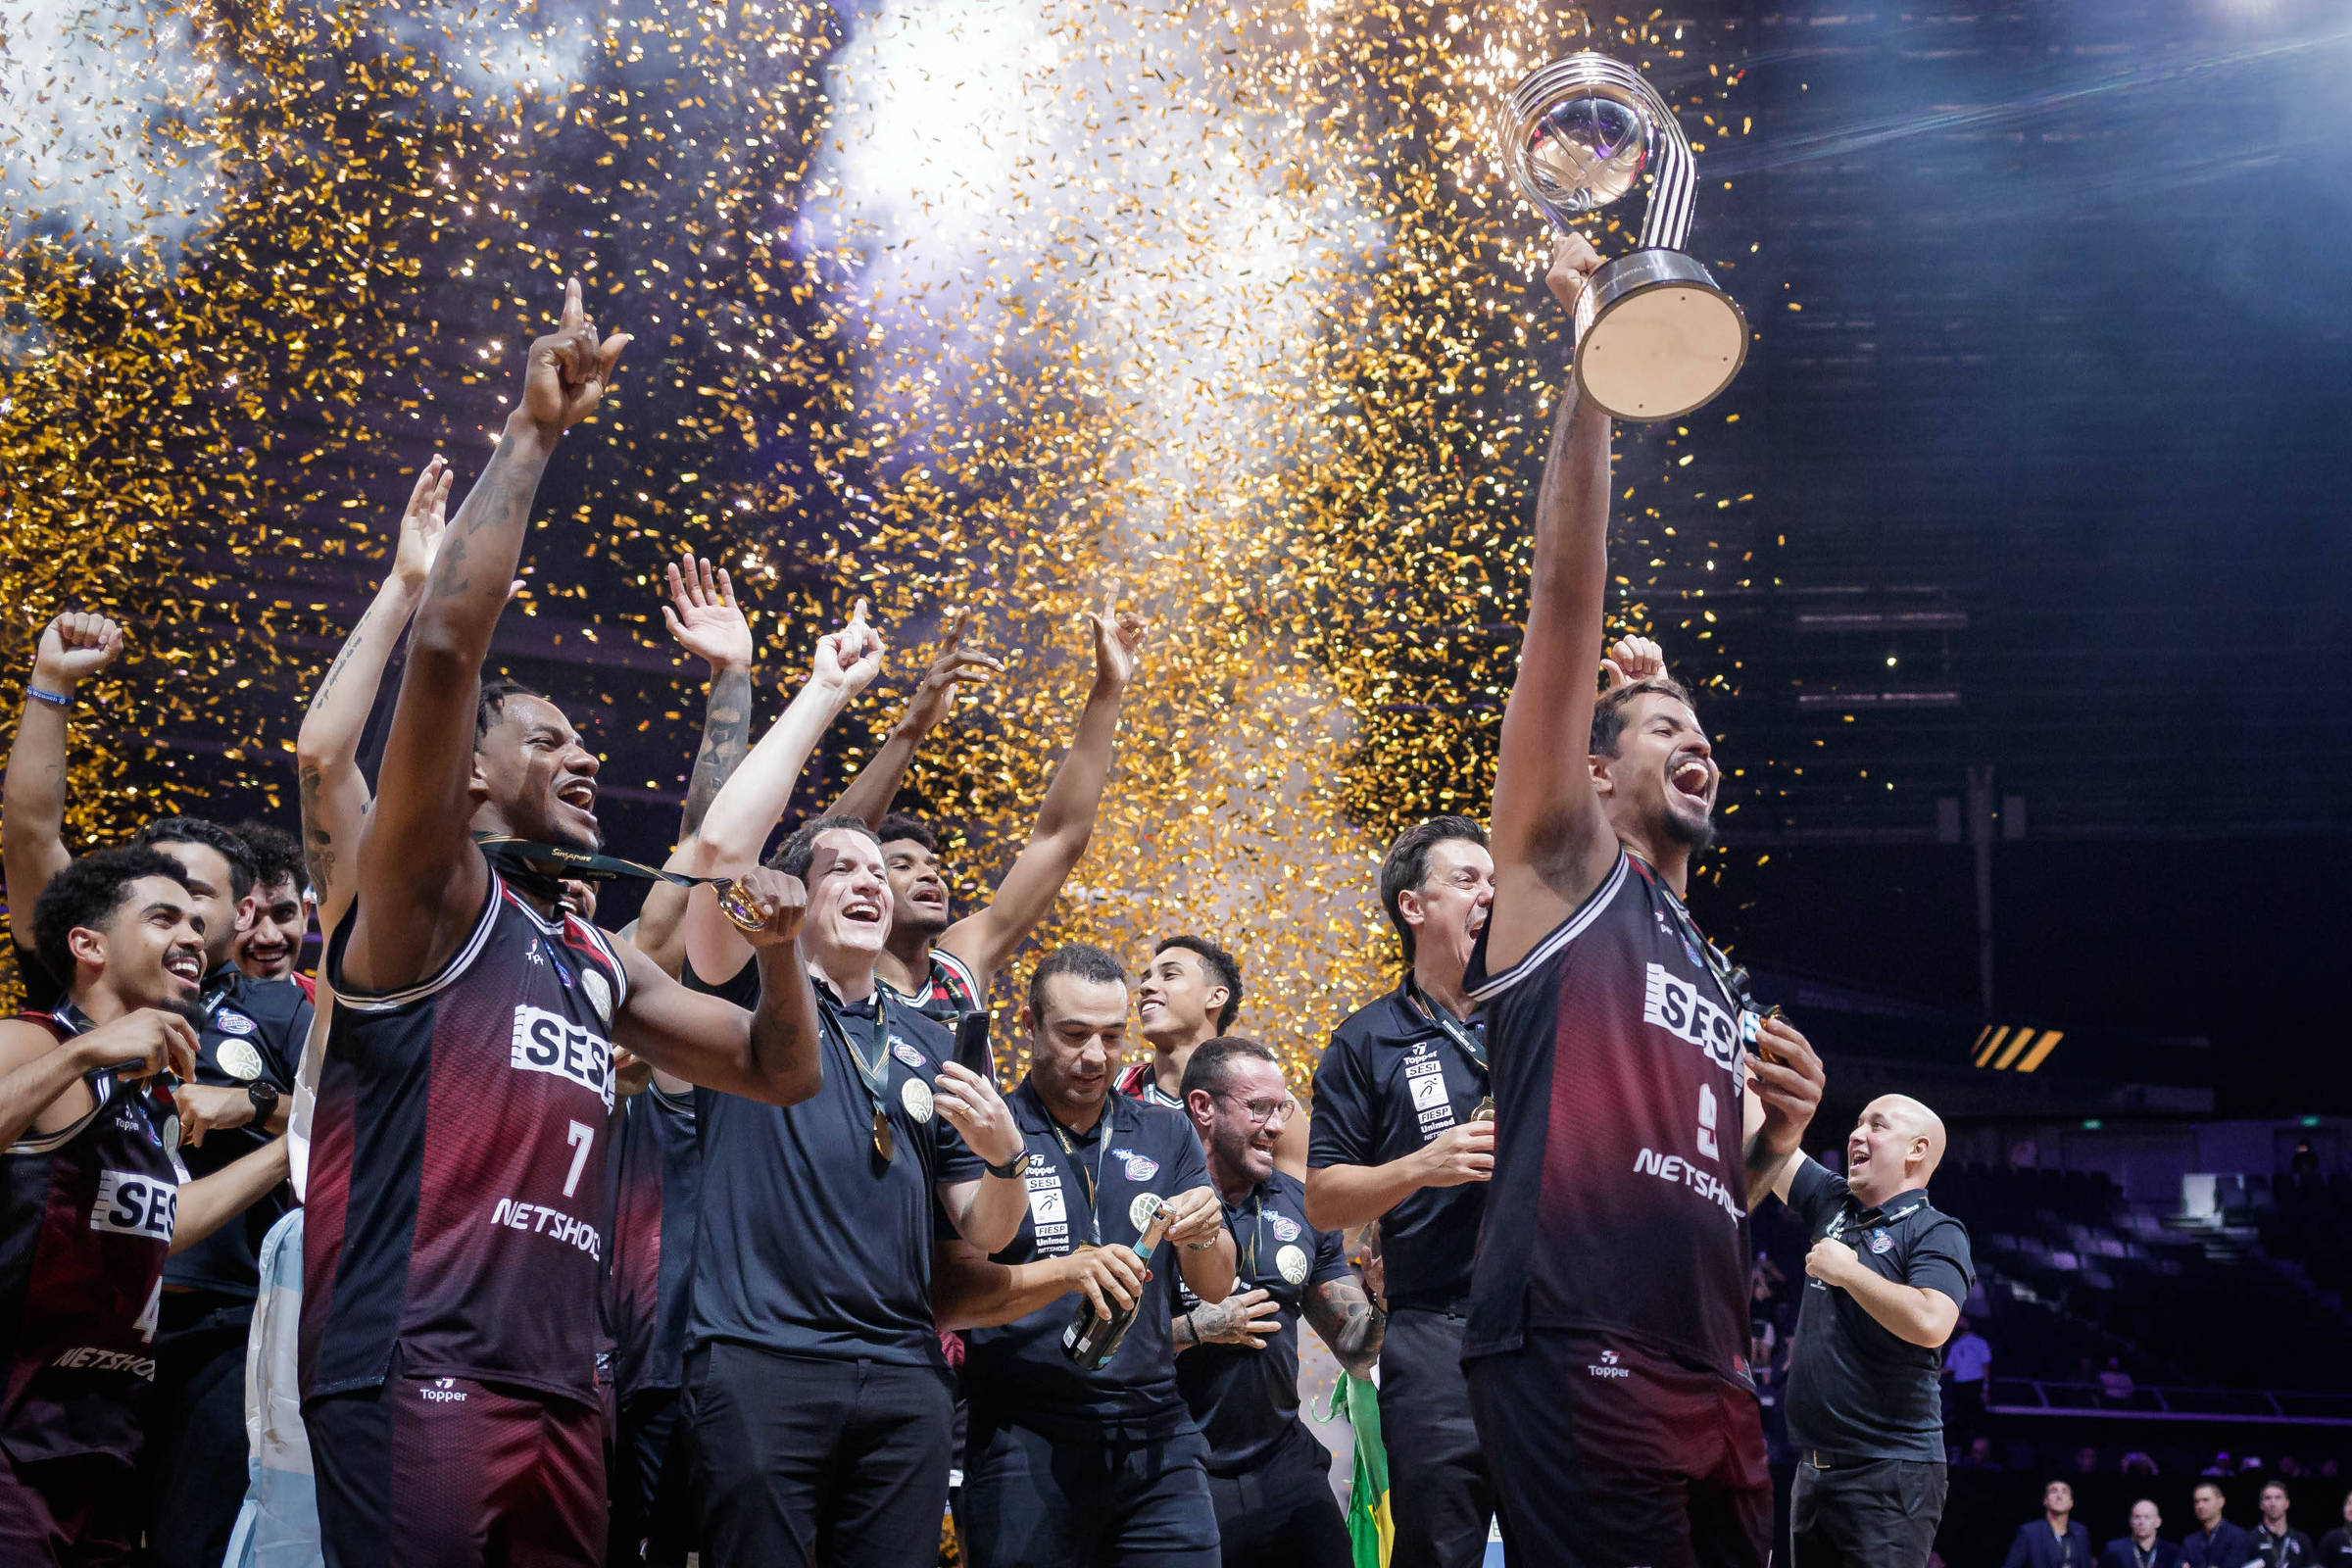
x=131, y=1204
x=1675, y=1007
x=550, y=1042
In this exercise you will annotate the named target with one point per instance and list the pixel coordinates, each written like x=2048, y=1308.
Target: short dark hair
x=899, y=825
x=492, y=703
x=1405, y=866
x=1609, y=712
x=2218, y=1489
x=1078, y=960
x=793, y=857
x=212, y=835
x=86, y=895
x=1222, y=965
x=277, y=855
x=2272, y=1481
x=1207, y=1067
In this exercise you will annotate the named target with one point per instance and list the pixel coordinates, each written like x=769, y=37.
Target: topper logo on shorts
x=1675, y=1007
x=443, y=1391
x=131, y=1204
x=1607, y=1367
x=550, y=1042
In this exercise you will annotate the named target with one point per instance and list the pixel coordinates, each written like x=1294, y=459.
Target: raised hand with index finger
x=1119, y=640
x=568, y=370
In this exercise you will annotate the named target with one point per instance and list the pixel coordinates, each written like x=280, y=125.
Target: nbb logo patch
x=131, y=1204
x=549, y=1042
x=1675, y=1007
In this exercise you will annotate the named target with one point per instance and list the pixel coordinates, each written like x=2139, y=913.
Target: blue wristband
x=53, y=699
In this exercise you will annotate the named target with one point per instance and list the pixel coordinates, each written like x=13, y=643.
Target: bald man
x=1885, y=1283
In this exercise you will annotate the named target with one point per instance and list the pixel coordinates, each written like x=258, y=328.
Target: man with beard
x=815, y=1391
x=1237, y=1361
x=1397, y=1137
x=276, y=916
x=452, y=1257
x=249, y=1046
x=1607, y=1334
x=944, y=966
x=93, y=1197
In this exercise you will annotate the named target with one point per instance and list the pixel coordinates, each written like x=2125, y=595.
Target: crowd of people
x=724, y=1232
x=2058, y=1540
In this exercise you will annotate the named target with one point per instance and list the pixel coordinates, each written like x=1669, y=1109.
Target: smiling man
x=276, y=916
x=1887, y=1276
x=1608, y=1336
x=92, y=1198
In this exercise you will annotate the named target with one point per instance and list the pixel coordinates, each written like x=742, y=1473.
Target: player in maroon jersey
x=453, y=1251
x=1606, y=1338
x=93, y=1197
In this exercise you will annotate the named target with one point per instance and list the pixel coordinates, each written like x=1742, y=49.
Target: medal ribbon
x=1473, y=1048
x=520, y=860
x=1094, y=1187
x=876, y=1074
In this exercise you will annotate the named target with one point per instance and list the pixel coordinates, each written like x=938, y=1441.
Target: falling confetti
x=983, y=304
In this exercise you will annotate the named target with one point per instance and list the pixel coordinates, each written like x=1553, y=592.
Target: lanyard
x=1094, y=1187
x=1472, y=1047
x=518, y=860
x=1258, y=1224
x=876, y=1073
x=1729, y=982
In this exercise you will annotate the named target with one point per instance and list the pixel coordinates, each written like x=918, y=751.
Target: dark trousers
x=1879, y=1514
x=67, y=1514
x=1608, y=1456
x=1282, y=1513
x=798, y=1460
x=1438, y=1489
x=1030, y=1501
x=193, y=1469
x=457, y=1474
x=653, y=1521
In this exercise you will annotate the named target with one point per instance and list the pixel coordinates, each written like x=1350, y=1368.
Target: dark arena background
x=2012, y=573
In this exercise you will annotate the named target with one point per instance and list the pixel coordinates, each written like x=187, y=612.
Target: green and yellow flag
x=1370, y=1528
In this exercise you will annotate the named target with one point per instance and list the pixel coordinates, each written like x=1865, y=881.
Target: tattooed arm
x=1345, y=1316
x=703, y=617
x=419, y=879
x=326, y=752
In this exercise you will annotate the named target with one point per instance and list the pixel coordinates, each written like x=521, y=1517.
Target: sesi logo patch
x=131, y=1204
x=1675, y=1007
x=550, y=1042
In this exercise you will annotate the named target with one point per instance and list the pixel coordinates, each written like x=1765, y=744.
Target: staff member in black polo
x=1065, y=1467
x=1237, y=1361
x=1397, y=1137
x=1886, y=1280
x=816, y=1396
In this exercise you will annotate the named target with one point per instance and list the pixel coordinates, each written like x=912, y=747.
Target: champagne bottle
x=1091, y=1339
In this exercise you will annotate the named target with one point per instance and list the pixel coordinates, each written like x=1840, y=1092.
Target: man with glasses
x=1237, y=1361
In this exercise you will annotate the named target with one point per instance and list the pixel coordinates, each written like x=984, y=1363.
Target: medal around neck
x=1654, y=337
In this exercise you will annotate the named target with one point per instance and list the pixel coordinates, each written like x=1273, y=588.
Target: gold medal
x=738, y=905
x=1485, y=1110
x=883, y=1142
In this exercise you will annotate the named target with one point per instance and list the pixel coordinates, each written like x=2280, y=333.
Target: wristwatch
x=1017, y=1165
x=265, y=1100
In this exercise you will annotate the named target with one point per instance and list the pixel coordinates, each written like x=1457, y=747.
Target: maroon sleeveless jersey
x=457, y=1189
x=1617, y=1084
x=85, y=1221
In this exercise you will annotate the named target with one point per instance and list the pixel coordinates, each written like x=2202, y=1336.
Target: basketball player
x=1608, y=1325
x=1192, y=991
x=945, y=967
x=73, y=648
x=452, y=1259
x=93, y=1198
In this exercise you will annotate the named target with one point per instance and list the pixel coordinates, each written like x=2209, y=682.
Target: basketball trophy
x=1654, y=337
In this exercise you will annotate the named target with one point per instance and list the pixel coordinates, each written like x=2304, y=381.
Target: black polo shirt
x=806, y=1242
x=1391, y=1081
x=1856, y=1391
x=251, y=1031
x=1246, y=1400
x=1018, y=1375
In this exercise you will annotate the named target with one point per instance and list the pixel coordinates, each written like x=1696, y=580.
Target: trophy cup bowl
x=1655, y=338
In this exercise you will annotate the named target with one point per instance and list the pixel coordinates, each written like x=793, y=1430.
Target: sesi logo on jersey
x=131, y=1204
x=548, y=1042
x=1675, y=1007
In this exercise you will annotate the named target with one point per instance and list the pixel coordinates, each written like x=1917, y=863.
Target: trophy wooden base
x=1655, y=338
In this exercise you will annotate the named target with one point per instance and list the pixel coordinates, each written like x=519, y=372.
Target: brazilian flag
x=1370, y=1528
